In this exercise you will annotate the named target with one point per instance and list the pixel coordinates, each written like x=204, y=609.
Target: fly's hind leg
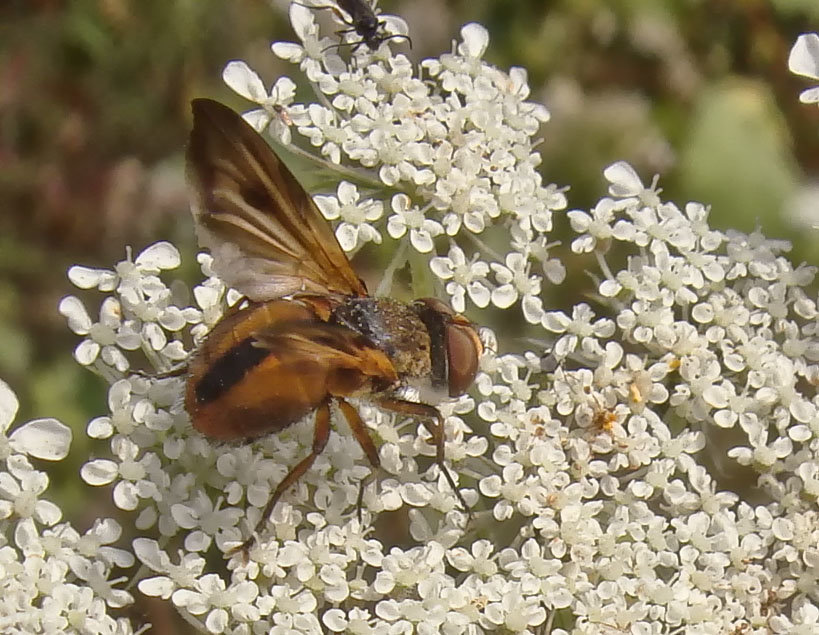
x=321, y=432
x=434, y=423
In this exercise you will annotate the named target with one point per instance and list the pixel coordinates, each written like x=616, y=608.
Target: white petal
x=175, y=351
x=532, y=309
x=206, y=297
x=396, y=227
x=329, y=206
x=161, y=255
x=803, y=410
x=126, y=496
x=86, y=352
x=113, y=357
x=347, y=236
x=335, y=620
x=46, y=439
x=504, y=296
x=243, y=80
x=184, y=516
x=347, y=193
x=800, y=434
x=191, y=600
x=99, y=472
x=804, y=57
x=85, y=277
x=624, y=180
x=421, y=240
x=172, y=319
x=284, y=89
x=146, y=519
x=157, y=587
x=149, y=553
x=217, y=621
x=8, y=406
x=73, y=310
x=456, y=297
x=127, y=338
x=416, y=494
x=476, y=39
x=259, y=119
x=302, y=19
x=610, y=288
x=479, y=294
x=108, y=530
x=27, y=538
x=441, y=267
x=155, y=336
x=47, y=512
x=809, y=96
x=287, y=51
x=715, y=396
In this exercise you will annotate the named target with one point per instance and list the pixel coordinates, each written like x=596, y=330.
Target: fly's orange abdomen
x=238, y=389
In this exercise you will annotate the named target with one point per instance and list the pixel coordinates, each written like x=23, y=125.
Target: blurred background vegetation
x=94, y=113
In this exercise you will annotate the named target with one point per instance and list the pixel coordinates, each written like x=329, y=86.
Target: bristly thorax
x=394, y=328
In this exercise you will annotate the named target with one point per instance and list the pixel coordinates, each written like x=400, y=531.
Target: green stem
x=423, y=280
x=398, y=261
x=362, y=177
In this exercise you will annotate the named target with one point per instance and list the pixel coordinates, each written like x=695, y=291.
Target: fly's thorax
x=394, y=328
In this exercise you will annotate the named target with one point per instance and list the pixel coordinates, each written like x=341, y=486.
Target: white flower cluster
x=456, y=140
x=593, y=484
x=53, y=579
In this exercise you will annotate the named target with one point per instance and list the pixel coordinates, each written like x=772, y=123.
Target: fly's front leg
x=432, y=420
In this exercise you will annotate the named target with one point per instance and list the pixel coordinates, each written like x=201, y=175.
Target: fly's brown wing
x=298, y=365
x=353, y=365
x=267, y=237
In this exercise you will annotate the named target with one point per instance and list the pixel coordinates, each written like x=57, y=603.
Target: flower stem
x=423, y=282
x=398, y=261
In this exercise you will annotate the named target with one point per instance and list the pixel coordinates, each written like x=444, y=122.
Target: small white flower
x=106, y=337
x=514, y=281
x=625, y=184
x=595, y=226
x=133, y=471
x=20, y=489
x=203, y=519
x=313, y=53
x=355, y=227
x=422, y=230
x=180, y=575
x=464, y=277
x=275, y=111
x=325, y=131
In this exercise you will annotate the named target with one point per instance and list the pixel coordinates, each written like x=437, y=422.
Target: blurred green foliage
x=94, y=114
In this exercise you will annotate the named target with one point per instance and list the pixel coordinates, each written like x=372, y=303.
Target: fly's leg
x=364, y=439
x=434, y=423
x=321, y=432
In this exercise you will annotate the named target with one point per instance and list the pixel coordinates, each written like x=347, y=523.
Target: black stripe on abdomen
x=229, y=370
